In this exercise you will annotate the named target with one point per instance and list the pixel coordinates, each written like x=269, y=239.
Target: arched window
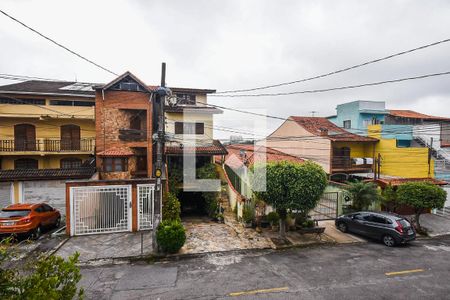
x=24, y=137
x=25, y=163
x=70, y=137
x=70, y=163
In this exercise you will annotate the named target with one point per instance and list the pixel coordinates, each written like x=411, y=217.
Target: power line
x=334, y=88
x=58, y=44
x=338, y=71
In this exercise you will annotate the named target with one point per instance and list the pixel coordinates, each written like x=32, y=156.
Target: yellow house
x=47, y=133
x=399, y=156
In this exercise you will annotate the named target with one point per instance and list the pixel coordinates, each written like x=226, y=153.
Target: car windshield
x=14, y=213
x=404, y=223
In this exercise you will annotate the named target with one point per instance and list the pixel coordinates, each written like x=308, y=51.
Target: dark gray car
x=391, y=229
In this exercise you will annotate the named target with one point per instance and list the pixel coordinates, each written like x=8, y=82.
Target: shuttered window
x=189, y=128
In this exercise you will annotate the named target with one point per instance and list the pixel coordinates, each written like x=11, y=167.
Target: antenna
x=313, y=112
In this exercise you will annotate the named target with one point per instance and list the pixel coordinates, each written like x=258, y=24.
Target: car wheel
x=342, y=227
x=36, y=233
x=58, y=222
x=388, y=241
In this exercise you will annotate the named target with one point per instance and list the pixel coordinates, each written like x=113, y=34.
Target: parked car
x=29, y=219
x=391, y=229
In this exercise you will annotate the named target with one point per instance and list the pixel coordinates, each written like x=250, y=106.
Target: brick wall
x=113, y=112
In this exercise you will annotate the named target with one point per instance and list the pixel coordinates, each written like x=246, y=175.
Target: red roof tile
x=115, y=152
x=43, y=174
x=235, y=160
x=414, y=115
x=325, y=128
x=216, y=148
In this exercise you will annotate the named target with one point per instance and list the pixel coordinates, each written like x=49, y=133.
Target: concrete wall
x=6, y=194
x=187, y=116
x=360, y=113
x=293, y=139
x=51, y=161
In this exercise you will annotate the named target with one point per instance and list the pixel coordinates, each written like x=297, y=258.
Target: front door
x=24, y=137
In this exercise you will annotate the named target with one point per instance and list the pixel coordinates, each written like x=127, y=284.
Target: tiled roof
x=115, y=152
x=326, y=129
x=414, y=115
x=216, y=148
x=399, y=181
x=41, y=174
x=48, y=87
x=235, y=160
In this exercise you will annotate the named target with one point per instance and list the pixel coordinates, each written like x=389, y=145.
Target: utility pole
x=159, y=164
x=430, y=149
x=379, y=165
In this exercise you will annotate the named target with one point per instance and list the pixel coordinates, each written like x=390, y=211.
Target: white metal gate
x=100, y=209
x=145, y=205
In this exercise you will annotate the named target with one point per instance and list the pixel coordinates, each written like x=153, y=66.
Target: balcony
x=47, y=145
x=132, y=135
x=347, y=164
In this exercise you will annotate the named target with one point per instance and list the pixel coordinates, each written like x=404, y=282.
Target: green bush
x=273, y=218
x=43, y=277
x=308, y=224
x=247, y=214
x=170, y=236
x=212, y=203
x=171, y=208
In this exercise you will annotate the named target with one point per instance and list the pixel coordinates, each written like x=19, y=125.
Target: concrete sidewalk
x=337, y=236
x=436, y=225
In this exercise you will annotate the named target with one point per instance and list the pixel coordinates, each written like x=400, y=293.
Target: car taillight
x=24, y=221
x=399, y=227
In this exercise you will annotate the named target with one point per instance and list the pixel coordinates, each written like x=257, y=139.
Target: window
x=22, y=101
x=347, y=124
x=128, y=84
x=71, y=103
x=47, y=207
x=24, y=137
x=25, y=163
x=366, y=123
x=445, y=135
x=187, y=99
x=378, y=219
x=115, y=164
x=70, y=137
x=189, y=128
x=39, y=209
x=70, y=163
x=403, y=143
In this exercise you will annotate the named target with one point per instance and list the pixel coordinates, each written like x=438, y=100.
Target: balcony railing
x=347, y=163
x=48, y=145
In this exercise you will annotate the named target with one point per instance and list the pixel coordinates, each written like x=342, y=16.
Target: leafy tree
x=363, y=194
x=389, y=198
x=421, y=196
x=291, y=186
x=171, y=208
x=44, y=277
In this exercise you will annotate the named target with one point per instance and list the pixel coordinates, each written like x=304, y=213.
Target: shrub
x=363, y=194
x=170, y=236
x=212, y=203
x=273, y=218
x=308, y=224
x=247, y=214
x=171, y=208
x=43, y=277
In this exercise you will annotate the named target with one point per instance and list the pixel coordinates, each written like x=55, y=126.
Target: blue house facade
x=356, y=116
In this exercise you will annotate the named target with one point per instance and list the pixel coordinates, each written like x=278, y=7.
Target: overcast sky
x=238, y=44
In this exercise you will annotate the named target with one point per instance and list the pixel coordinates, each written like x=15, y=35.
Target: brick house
x=123, y=121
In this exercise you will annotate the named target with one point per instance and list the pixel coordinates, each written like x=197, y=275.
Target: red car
x=28, y=219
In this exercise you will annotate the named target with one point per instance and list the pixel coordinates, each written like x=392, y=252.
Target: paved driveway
x=107, y=246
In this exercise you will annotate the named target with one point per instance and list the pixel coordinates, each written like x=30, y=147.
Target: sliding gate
x=327, y=208
x=100, y=209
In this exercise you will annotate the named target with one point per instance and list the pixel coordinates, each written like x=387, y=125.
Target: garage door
x=100, y=209
x=52, y=192
x=5, y=194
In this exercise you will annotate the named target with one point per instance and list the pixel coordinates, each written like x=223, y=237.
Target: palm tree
x=363, y=194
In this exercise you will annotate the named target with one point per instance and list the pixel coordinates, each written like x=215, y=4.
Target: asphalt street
x=420, y=270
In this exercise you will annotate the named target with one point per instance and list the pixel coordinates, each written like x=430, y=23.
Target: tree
x=389, y=198
x=363, y=194
x=421, y=196
x=171, y=209
x=290, y=186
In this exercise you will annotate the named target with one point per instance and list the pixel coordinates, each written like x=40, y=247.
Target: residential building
x=337, y=150
x=356, y=116
x=47, y=135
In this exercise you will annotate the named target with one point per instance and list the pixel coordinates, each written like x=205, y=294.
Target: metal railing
x=48, y=145
x=344, y=163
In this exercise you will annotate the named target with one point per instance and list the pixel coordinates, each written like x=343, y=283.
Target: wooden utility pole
x=379, y=165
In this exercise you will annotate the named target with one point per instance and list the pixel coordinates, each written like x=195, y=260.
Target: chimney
x=323, y=131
